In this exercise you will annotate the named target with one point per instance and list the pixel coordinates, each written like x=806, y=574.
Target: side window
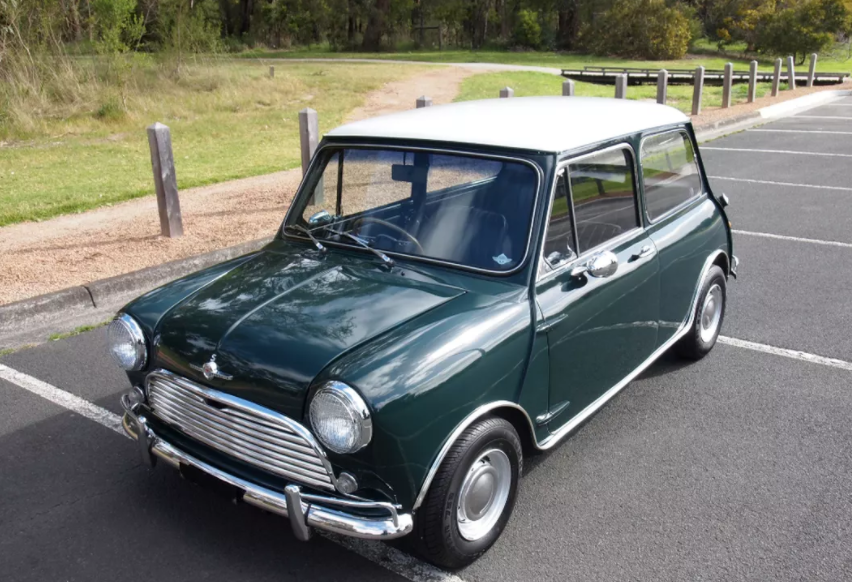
x=669, y=172
x=604, y=193
x=560, y=244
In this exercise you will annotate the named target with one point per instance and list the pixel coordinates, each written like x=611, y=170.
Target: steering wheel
x=402, y=231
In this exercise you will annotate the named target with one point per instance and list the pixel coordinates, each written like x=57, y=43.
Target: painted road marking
x=795, y=238
x=389, y=558
x=821, y=117
x=776, y=152
x=794, y=354
x=803, y=131
x=841, y=188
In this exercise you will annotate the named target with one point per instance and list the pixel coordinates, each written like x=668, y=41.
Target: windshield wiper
x=303, y=230
x=386, y=259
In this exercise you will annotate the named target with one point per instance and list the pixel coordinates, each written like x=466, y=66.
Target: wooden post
x=165, y=180
x=621, y=86
x=698, y=90
x=776, y=78
x=309, y=135
x=271, y=72
x=568, y=88
x=662, y=86
x=727, y=85
x=507, y=92
x=812, y=70
x=752, y=81
x=791, y=74
x=424, y=101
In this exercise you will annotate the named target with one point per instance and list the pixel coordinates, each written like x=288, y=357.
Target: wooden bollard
x=662, y=86
x=727, y=85
x=568, y=88
x=776, y=78
x=165, y=180
x=621, y=86
x=507, y=92
x=791, y=74
x=752, y=81
x=812, y=70
x=697, y=90
x=308, y=135
x=423, y=101
x=271, y=72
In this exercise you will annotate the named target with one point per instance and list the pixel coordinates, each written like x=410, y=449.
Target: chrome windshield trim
x=604, y=245
x=641, y=177
x=301, y=193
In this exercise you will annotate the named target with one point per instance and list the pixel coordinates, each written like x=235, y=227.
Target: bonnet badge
x=210, y=370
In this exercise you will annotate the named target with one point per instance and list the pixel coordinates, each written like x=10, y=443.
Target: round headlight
x=127, y=343
x=340, y=418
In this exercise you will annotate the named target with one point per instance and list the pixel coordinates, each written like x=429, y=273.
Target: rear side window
x=669, y=172
x=603, y=191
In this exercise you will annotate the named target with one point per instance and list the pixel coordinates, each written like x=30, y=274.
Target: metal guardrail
x=639, y=76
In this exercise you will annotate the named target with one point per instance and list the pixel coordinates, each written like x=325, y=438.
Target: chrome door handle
x=645, y=251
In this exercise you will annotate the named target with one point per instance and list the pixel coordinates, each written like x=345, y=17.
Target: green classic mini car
x=452, y=289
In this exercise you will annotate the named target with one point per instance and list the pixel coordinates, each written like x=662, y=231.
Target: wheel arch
x=723, y=262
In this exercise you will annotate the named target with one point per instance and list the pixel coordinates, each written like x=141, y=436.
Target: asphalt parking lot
x=738, y=467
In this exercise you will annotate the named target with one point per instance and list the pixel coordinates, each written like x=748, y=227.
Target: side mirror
x=600, y=266
x=320, y=218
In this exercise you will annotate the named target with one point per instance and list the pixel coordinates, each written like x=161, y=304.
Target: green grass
x=77, y=331
x=525, y=84
x=228, y=119
x=837, y=60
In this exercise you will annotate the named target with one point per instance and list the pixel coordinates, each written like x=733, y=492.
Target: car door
x=598, y=286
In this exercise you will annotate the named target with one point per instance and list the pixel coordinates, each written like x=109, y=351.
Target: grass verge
x=228, y=118
x=82, y=329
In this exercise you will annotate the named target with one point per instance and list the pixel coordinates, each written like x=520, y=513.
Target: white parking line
x=62, y=398
x=385, y=556
x=795, y=238
x=794, y=354
x=704, y=148
x=822, y=117
x=749, y=180
x=803, y=131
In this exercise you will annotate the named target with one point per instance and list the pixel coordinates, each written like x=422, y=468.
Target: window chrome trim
x=641, y=176
x=604, y=245
x=460, y=152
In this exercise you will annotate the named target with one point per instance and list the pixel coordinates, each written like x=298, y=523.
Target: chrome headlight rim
x=138, y=342
x=355, y=405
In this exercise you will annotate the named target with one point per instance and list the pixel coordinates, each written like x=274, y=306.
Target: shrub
x=527, y=30
x=809, y=27
x=647, y=29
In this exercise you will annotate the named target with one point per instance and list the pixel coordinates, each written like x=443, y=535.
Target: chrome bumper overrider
x=312, y=512
x=735, y=263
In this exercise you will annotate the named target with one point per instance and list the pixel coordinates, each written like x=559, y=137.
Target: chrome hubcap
x=711, y=313
x=483, y=494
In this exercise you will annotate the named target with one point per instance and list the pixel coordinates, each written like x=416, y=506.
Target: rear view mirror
x=410, y=174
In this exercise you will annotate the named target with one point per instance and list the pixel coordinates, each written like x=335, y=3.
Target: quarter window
x=603, y=190
x=669, y=172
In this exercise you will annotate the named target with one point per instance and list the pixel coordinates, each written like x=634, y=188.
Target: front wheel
x=709, y=315
x=472, y=495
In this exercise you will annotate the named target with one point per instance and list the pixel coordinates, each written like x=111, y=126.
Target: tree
x=803, y=28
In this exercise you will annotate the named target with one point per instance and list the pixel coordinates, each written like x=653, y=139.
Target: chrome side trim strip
x=574, y=422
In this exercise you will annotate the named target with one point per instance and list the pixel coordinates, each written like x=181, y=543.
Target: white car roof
x=550, y=124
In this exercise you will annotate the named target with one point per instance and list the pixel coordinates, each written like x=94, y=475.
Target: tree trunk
x=376, y=25
x=569, y=24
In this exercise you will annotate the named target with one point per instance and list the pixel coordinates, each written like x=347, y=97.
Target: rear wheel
x=709, y=315
x=472, y=495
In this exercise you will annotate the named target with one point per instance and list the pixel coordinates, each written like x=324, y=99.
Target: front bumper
x=313, y=511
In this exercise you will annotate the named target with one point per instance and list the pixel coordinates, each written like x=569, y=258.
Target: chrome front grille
x=239, y=428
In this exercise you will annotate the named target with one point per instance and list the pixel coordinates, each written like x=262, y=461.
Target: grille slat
x=239, y=428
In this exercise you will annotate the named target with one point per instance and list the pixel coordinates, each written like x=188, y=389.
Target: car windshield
x=457, y=208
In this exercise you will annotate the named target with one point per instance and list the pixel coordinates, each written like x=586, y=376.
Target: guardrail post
x=662, y=86
x=752, y=81
x=308, y=135
x=698, y=90
x=271, y=72
x=776, y=78
x=791, y=74
x=621, y=86
x=165, y=180
x=812, y=70
x=424, y=101
x=568, y=88
x=727, y=84
x=507, y=92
